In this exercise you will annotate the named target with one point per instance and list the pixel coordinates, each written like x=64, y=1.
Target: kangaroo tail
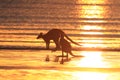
x=75, y=55
x=71, y=40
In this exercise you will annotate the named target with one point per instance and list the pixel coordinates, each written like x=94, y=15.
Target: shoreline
x=43, y=48
x=61, y=68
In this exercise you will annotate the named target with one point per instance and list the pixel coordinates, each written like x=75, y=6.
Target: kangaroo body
x=67, y=48
x=54, y=35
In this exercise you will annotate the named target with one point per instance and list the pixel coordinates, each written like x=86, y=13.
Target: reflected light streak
x=92, y=12
x=91, y=33
x=92, y=42
x=90, y=76
x=92, y=59
x=87, y=27
x=93, y=1
x=92, y=45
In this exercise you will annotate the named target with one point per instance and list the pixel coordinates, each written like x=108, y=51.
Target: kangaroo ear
x=40, y=35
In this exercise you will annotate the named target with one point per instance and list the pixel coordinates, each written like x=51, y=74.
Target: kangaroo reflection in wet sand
x=54, y=34
x=65, y=47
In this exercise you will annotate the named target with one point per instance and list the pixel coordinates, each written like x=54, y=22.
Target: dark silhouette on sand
x=65, y=47
x=54, y=34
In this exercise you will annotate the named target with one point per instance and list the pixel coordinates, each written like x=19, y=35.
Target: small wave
x=9, y=47
x=62, y=68
x=74, y=35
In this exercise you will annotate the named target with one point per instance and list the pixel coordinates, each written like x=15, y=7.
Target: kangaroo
x=67, y=48
x=54, y=34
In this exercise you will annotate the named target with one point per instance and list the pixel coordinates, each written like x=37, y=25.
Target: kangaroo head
x=40, y=35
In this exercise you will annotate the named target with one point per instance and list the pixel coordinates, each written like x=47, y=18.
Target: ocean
x=95, y=24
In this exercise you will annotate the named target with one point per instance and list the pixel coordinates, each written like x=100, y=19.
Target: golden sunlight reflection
x=90, y=76
x=92, y=1
x=90, y=31
x=92, y=12
x=87, y=27
x=91, y=43
x=92, y=59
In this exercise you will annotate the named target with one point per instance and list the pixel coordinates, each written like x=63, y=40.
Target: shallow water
x=30, y=64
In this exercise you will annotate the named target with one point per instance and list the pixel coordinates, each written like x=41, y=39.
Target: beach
x=31, y=64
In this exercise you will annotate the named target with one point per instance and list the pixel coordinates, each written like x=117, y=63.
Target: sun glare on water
x=87, y=27
x=92, y=41
x=90, y=76
x=92, y=60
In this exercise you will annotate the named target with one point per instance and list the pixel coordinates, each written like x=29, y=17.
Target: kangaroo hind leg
x=62, y=60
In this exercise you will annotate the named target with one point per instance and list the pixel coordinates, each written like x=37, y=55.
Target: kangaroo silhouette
x=67, y=48
x=54, y=34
